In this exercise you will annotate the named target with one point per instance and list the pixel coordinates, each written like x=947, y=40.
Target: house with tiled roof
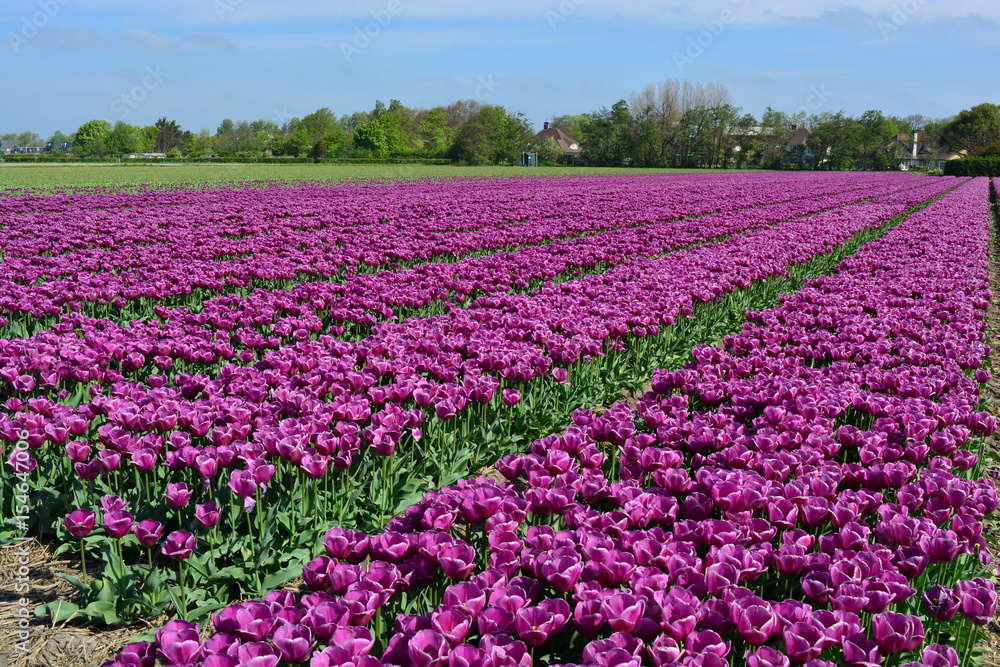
x=568, y=145
x=917, y=151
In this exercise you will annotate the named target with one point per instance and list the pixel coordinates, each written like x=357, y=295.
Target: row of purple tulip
x=800, y=495
x=311, y=405
x=100, y=254
x=80, y=349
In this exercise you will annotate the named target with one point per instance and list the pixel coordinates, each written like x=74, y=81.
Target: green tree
x=972, y=130
x=91, y=138
x=125, y=138
x=834, y=141
x=225, y=136
x=877, y=141
x=320, y=123
x=607, y=136
x=568, y=123
x=29, y=138
x=168, y=135
x=265, y=126
x=298, y=144
x=747, y=140
x=548, y=150
x=435, y=133
x=202, y=143
x=58, y=137
x=491, y=135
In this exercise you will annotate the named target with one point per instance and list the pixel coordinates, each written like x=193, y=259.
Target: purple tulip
x=765, y=656
x=254, y=621
x=111, y=503
x=936, y=655
x=623, y=611
x=178, y=642
x=755, y=623
x=978, y=600
x=428, y=648
x=510, y=397
x=941, y=603
x=79, y=523
x=293, y=642
x=207, y=515
x=177, y=495
x=897, y=633
x=148, y=532
x=457, y=561
x=257, y=654
x=803, y=642
x=178, y=545
x=242, y=483
x=117, y=523
x=861, y=652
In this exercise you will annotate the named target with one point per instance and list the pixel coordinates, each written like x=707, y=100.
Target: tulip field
x=612, y=421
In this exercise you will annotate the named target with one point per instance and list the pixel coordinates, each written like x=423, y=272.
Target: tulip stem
x=83, y=561
x=180, y=580
x=211, y=543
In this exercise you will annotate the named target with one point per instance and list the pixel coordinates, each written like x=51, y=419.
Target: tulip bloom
x=117, y=523
x=177, y=495
x=79, y=523
x=178, y=545
x=207, y=515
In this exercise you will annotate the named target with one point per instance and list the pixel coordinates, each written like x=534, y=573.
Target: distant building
x=569, y=146
x=11, y=147
x=914, y=151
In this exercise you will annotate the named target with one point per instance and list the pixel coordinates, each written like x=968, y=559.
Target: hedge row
x=974, y=166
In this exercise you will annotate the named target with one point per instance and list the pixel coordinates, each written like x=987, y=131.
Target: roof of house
x=566, y=143
x=799, y=137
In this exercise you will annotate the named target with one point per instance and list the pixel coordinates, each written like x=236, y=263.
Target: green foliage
x=974, y=166
x=606, y=136
x=125, y=138
x=168, y=135
x=548, y=150
x=492, y=135
x=973, y=130
x=91, y=138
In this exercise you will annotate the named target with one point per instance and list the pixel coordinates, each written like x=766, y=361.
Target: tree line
x=668, y=124
x=466, y=131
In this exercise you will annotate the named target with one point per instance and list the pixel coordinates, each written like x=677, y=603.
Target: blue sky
x=63, y=62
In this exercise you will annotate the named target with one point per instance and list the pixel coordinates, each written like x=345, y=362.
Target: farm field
x=600, y=419
x=62, y=176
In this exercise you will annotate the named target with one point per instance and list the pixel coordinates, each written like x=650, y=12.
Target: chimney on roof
x=545, y=125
